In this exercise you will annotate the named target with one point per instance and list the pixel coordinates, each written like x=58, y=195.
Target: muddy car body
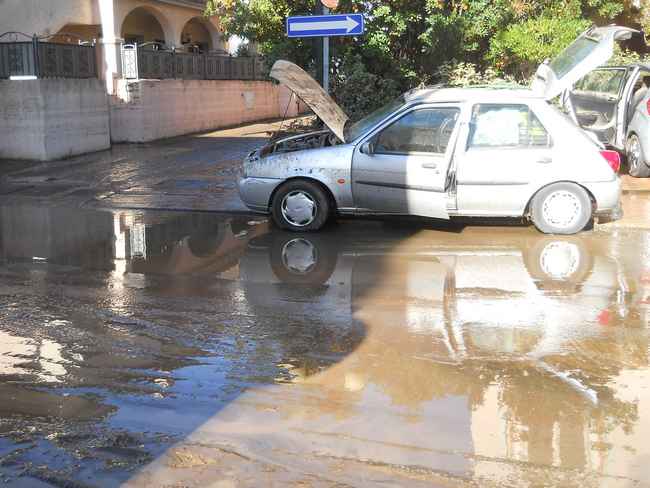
x=443, y=153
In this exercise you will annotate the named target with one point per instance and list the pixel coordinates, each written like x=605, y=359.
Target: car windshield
x=353, y=131
x=573, y=55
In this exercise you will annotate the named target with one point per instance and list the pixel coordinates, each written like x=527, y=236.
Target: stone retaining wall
x=56, y=118
x=52, y=118
x=147, y=110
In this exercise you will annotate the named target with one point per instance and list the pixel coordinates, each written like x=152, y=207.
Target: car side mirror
x=368, y=148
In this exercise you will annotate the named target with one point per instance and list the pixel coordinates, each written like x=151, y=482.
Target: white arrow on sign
x=349, y=24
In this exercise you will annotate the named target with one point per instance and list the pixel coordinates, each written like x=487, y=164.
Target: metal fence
x=152, y=62
x=34, y=57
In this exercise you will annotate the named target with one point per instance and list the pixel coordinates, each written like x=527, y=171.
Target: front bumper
x=256, y=192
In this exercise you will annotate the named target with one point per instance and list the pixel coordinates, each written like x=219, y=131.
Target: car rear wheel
x=558, y=264
x=635, y=158
x=561, y=208
x=300, y=206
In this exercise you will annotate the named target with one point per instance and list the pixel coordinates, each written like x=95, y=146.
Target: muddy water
x=195, y=350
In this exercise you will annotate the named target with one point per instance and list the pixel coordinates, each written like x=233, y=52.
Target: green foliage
x=522, y=47
x=410, y=42
x=360, y=92
x=262, y=22
x=454, y=73
x=623, y=57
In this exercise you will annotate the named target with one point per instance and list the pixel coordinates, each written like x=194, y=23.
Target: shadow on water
x=123, y=333
x=113, y=324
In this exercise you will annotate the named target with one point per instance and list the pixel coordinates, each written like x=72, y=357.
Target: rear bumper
x=608, y=200
x=256, y=192
x=610, y=216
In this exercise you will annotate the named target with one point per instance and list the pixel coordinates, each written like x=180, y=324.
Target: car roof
x=496, y=93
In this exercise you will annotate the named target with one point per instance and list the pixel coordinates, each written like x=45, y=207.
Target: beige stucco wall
x=53, y=118
x=172, y=18
x=141, y=23
x=50, y=16
x=148, y=110
x=196, y=32
x=46, y=16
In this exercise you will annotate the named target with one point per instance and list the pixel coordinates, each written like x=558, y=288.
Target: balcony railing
x=29, y=56
x=152, y=61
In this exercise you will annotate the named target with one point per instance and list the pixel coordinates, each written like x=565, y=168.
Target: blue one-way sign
x=325, y=25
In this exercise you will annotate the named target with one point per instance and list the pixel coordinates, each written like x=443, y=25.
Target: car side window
x=421, y=131
x=506, y=125
x=605, y=81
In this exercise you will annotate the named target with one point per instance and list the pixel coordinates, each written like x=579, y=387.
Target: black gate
x=31, y=56
x=152, y=61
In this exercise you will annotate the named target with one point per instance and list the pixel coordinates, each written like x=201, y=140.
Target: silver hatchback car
x=443, y=153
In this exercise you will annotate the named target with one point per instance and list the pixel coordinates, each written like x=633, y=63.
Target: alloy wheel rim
x=299, y=256
x=299, y=208
x=635, y=153
x=562, y=209
x=560, y=260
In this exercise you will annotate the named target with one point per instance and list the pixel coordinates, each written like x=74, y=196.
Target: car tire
x=561, y=208
x=300, y=206
x=303, y=260
x=558, y=264
x=636, y=162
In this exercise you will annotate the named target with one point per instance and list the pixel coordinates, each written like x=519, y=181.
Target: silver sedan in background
x=443, y=153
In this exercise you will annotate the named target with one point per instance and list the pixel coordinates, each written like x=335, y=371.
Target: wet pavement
x=150, y=348
x=172, y=349
x=195, y=172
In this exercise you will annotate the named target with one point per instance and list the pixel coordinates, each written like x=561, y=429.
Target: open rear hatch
x=590, y=50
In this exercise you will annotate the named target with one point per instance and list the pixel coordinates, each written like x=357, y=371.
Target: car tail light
x=613, y=159
x=605, y=317
x=647, y=106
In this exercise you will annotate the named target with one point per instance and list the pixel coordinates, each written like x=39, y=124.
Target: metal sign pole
x=326, y=58
x=325, y=25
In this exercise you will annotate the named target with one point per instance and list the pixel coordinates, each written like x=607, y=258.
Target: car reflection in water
x=491, y=355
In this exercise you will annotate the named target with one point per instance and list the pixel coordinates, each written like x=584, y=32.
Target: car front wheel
x=561, y=208
x=300, y=206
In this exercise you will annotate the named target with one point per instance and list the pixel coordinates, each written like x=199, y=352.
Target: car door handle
x=545, y=160
x=430, y=165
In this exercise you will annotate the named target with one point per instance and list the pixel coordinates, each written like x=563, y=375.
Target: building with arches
x=159, y=71
x=178, y=24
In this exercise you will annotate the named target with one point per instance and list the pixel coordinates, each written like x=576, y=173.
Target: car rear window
x=573, y=55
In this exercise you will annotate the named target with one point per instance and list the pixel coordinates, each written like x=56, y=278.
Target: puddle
x=175, y=347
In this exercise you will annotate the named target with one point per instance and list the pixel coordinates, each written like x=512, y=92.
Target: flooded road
x=181, y=349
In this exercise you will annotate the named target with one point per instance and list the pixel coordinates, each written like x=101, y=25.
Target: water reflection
x=493, y=354
x=531, y=331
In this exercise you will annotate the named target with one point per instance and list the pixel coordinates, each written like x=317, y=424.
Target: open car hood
x=590, y=50
x=308, y=89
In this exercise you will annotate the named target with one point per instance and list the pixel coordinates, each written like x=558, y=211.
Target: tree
x=411, y=42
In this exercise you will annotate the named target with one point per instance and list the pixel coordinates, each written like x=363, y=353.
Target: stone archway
x=145, y=24
x=201, y=35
